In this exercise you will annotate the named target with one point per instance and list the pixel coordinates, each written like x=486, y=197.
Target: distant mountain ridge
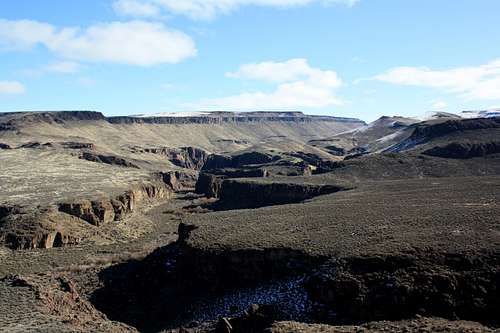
x=177, y=118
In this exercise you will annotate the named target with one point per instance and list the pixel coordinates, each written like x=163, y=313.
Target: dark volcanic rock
x=215, y=161
x=256, y=319
x=162, y=288
x=321, y=165
x=465, y=150
x=35, y=145
x=108, y=159
x=234, y=117
x=189, y=158
x=237, y=161
x=178, y=180
x=425, y=132
x=336, y=151
x=235, y=194
x=184, y=157
x=253, y=158
x=4, y=146
x=210, y=184
x=397, y=287
x=77, y=145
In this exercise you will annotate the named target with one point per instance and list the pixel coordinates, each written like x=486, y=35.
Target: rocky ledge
x=464, y=150
x=69, y=223
x=229, y=117
x=184, y=157
x=105, y=210
x=107, y=159
x=242, y=193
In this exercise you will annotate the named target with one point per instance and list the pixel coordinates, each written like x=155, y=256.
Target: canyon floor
x=248, y=222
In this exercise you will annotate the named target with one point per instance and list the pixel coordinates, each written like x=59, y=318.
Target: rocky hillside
x=255, y=222
x=215, y=131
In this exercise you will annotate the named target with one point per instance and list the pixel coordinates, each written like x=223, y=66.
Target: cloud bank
x=206, y=9
x=134, y=43
x=480, y=82
x=298, y=86
x=11, y=88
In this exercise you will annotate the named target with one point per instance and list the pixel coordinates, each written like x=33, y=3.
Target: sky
x=351, y=58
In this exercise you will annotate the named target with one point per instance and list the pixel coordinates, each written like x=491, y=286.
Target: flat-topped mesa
x=218, y=117
x=51, y=116
x=14, y=121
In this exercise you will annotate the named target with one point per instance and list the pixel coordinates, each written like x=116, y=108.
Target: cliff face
x=426, y=132
x=465, y=150
x=63, y=225
x=210, y=118
x=236, y=194
x=105, y=210
x=232, y=117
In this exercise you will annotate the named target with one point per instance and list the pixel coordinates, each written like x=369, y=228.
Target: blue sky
x=363, y=58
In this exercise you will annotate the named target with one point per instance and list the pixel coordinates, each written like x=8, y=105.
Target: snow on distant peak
x=480, y=114
x=462, y=115
x=431, y=115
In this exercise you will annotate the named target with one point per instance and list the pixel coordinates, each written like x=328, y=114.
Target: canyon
x=248, y=222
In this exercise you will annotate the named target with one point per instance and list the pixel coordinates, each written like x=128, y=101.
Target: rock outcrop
x=77, y=145
x=184, y=157
x=238, y=194
x=41, y=240
x=179, y=180
x=257, y=318
x=161, y=288
x=215, y=161
x=234, y=117
x=22, y=229
x=106, y=210
x=188, y=157
x=107, y=159
x=63, y=225
x=13, y=121
x=448, y=285
x=320, y=165
x=341, y=290
x=425, y=132
x=464, y=150
x=210, y=183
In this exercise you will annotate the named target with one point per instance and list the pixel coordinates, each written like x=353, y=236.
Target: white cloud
x=480, y=82
x=135, y=43
x=11, y=88
x=294, y=69
x=24, y=34
x=209, y=9
x=300, y=86
x=65, y=67
x=439, y=106
x=136, y=8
